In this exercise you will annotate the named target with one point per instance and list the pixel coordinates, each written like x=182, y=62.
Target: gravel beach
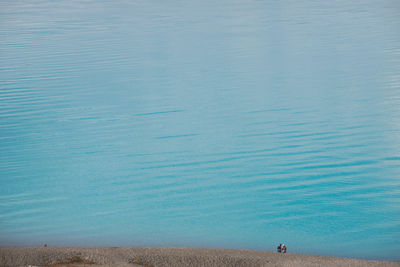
x=136, y=256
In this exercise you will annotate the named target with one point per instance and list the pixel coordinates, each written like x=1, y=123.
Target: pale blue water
x=234, y=124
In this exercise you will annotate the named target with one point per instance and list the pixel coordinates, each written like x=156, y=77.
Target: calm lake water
x=225, y=124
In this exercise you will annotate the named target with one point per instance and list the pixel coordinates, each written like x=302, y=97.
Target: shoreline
x=146, y=256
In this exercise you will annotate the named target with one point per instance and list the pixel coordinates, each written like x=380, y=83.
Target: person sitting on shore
x=279, y=248
x=283, y=248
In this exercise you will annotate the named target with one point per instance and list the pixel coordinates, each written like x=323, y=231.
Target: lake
x=218, y=124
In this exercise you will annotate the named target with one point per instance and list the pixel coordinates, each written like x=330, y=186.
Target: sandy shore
x=135, y=256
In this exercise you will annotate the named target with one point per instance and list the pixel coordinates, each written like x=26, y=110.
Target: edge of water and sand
x=140, y=256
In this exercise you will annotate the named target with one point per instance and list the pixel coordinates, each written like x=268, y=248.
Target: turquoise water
x=234, y=124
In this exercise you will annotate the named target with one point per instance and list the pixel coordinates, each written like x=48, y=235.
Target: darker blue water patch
x=158, y=113
x=176, y=136
x=392, y=158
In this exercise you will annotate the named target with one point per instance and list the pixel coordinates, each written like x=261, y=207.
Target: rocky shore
x=136, y=256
